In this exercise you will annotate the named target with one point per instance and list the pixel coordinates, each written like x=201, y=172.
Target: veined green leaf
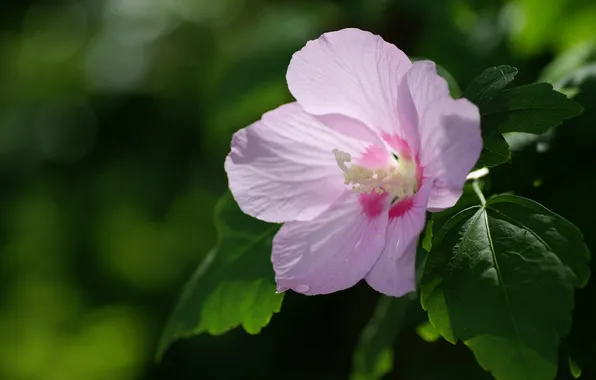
x=500, y=278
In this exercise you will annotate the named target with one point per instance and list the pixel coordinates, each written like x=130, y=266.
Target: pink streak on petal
x=330, y=253
x=394, y=273
x=373, y=204
x=399, y=145
x=401, y=207
x=374, y=156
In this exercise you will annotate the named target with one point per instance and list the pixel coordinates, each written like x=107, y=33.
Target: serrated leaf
x=534, y=108
x=233, y=286
x=373, y=356
x=500, y=278
x=488, y=83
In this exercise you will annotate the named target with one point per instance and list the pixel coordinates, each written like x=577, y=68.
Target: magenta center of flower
x=398, y=178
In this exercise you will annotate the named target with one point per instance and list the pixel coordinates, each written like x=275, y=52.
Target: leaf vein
x=519, y=224
x=502, y=283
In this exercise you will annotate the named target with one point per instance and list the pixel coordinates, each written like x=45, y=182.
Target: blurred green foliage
x=115, y=117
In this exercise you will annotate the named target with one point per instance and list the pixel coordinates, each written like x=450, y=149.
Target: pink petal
x=449, y=134
x=418, y=92
x=282, y=168
x=349, y=127
x=394, y=273
x=330, y=253
x=351, y=73
x=452, y=151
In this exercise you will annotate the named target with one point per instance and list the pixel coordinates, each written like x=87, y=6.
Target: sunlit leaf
x=576, y=369
x=570, y=85
x=566, y=63
x=373, y=356
x=427, y=332
x=427, y=240
x=500, y=278
x=233, y=286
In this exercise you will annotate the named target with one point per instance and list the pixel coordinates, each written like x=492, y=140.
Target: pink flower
x=350, y=168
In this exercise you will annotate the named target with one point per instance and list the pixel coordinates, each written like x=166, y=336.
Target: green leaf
x=575, y=369
x=567, y=63
x=500, y=278
x=421, y=255
x=427, y=332
x=495, y=151
x=467, y=199
x=427, y=239
x=488, y=83
x=572, y=83
x=373, y=356
x=233, y=286
x=534, y=108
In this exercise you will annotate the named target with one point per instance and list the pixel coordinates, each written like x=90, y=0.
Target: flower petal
x=419, y=90
x=330, y=253
x=352, y=73
x=394, y=273
x=350, y=127
x=451, y=151
x=449, y=134
x=282, y=168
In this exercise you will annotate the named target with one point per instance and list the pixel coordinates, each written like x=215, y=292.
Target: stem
x=476, y=187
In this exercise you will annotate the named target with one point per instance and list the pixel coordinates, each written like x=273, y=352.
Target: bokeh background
x=115, y=118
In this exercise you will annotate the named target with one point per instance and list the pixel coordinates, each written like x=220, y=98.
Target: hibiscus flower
x=372, y=142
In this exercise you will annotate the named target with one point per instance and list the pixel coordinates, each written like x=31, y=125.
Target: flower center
x=398, y=178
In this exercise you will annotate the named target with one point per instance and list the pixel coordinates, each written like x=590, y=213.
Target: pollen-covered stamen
x=398, y=179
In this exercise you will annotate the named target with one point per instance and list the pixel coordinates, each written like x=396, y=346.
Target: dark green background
x=115, y=118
